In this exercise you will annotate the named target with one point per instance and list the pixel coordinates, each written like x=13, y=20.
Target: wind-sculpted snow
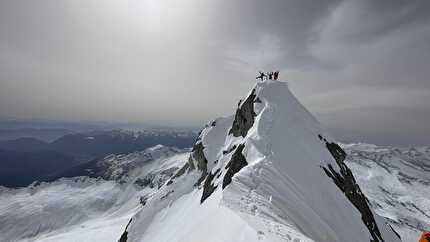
x=262, y=173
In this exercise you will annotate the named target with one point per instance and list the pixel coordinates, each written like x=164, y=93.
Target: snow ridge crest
x=270, y=165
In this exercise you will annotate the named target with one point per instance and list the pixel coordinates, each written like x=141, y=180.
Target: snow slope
x=396, y=188
x=396, y=181
x=269, y=173
x=83, y=208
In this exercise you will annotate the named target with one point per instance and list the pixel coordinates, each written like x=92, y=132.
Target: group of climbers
x=268, y=75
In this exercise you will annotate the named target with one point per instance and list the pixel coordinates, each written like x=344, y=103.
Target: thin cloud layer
x=186, y=62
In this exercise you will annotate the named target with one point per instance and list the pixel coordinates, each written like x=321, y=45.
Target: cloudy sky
x=361, y=66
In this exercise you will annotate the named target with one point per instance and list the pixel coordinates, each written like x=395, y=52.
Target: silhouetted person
x=261, y=76
x=270, y=74
x=275, y=75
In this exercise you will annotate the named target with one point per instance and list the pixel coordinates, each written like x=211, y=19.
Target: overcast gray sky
x=361, y=66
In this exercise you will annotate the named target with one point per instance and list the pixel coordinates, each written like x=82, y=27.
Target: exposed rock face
x=156, y=179
x=180, y=172
x=208, y=187
x=198, y=156
x=124, y=235
x=244, y=118
x=144, y=182
x=237, y=162
x=225, y=152
x=345, y=181
x=198, y=159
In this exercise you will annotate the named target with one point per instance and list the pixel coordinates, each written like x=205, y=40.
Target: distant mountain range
x=45, y=134
x=20, y=169
x=50, y=130
x=32, y=159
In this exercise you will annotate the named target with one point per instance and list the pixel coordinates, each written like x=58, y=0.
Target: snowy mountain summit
x=268, y=173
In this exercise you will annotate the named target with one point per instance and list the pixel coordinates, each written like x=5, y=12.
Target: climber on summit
x=275, y=75
x=261, y=76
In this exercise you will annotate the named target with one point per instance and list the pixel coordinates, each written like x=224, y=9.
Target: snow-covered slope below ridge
x=377, y=170
x=87, y=209
x=397, y=183
x=270, y=173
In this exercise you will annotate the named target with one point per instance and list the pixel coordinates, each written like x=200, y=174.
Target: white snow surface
x=83, y=208
x=396, y=181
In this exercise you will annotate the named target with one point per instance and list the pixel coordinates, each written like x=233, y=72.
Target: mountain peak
x=273, y=166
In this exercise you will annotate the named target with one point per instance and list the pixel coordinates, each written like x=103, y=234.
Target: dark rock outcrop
x=208, y=187
x=198, y=160
x=145, y=181
x=345, y=181
x=237, y=162
x=125, y=233
x=224, y=152
x=198, y=156
x=244, y=118
x=179, y=173
x=156, y=179
x=143, y=200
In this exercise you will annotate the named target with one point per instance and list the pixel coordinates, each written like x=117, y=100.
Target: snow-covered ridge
x=273, y=171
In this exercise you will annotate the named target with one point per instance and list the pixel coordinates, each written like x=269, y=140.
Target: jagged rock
x=155, y=179
x=144, y=182
x=224, y=152
x=208, y=187
x=124, y=235
x=179, y=173
x=143, y=200
x=237, y=162
x=345, y=181
x=244, y=118
x=199, y=157
x=191, y=163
